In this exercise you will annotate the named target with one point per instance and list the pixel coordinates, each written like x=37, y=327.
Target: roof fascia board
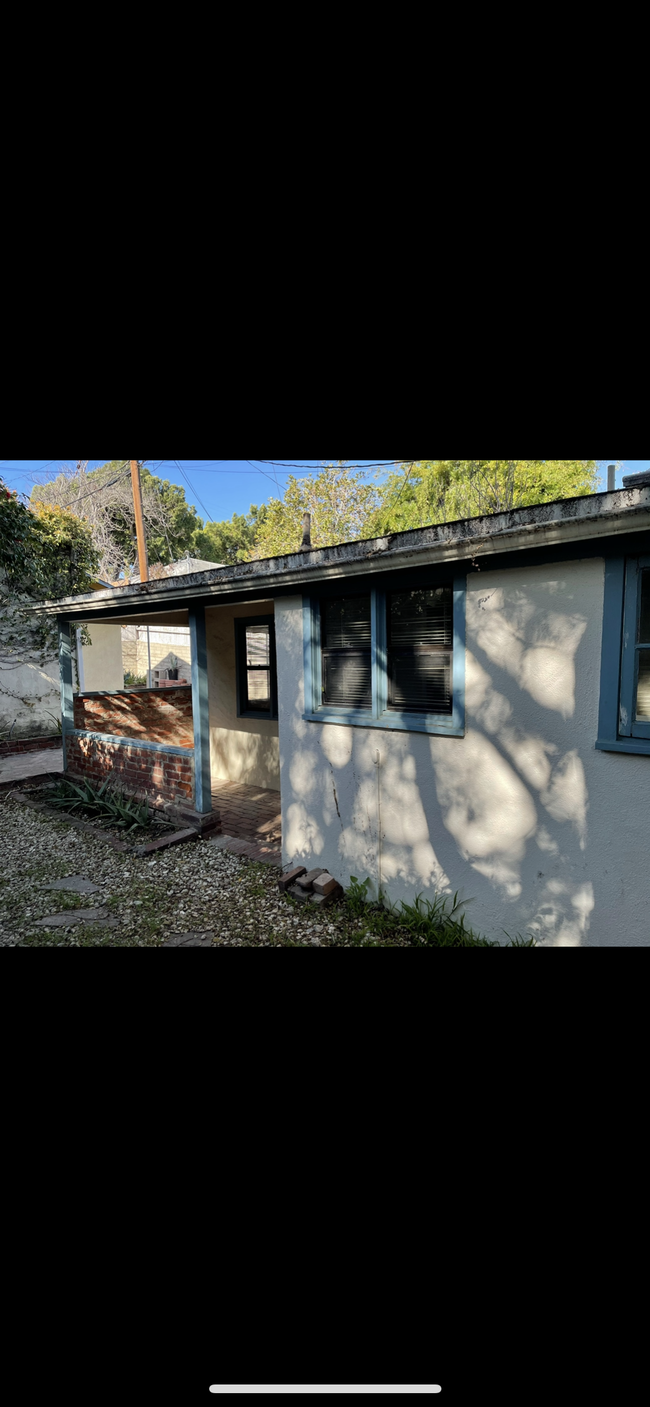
x=571, y=520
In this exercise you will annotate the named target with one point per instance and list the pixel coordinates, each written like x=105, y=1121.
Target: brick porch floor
x=251, y=815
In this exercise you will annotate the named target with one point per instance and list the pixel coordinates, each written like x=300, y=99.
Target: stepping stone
x=76, y=884
x=78, y=916
x=189, y=940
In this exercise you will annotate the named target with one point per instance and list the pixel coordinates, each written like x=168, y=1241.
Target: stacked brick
x=316, y=886
x=162, y=776
x=151, y=714
x=12, y=747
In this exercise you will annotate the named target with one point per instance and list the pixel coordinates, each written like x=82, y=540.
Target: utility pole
x=139, y=520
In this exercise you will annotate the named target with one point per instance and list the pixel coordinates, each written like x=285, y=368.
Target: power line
x=178, y=466
x=379, y=464
x=92, y=491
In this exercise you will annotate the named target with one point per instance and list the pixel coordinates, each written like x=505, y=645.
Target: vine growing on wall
x=44, y=556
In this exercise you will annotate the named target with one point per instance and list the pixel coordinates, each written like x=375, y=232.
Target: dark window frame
x=379, y=716
x=618, y=728
x=347, y=651
x=396, y=651
x=242, y=624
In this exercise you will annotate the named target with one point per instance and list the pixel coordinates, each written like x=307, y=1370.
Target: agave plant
x=123, y=812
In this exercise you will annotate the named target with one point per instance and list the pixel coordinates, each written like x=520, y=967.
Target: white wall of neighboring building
x=241, y=749
x=522, y=816
x=102, y=661
x=30, y=699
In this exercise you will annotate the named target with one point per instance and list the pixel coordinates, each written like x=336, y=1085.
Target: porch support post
x=66, y=634
x=201, y=711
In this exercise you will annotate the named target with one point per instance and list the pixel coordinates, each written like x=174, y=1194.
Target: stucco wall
x=522, y=815
x=30, y=698
x=241, y=749
x=102, y=661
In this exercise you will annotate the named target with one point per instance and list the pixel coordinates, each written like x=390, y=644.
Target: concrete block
x=325, y=883
x=302, y=895
x=306, y=881
x=290, y=878
x=321, y=900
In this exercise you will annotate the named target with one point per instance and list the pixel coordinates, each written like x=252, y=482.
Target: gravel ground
x=228, y=901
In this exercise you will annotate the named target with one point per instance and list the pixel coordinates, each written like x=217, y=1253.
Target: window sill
x=639, y=745
x=395, y=722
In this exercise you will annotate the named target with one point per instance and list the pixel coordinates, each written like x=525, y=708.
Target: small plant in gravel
x=103, y=803
x=433, y=923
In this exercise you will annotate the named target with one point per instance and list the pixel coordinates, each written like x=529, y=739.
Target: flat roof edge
x=594, y=515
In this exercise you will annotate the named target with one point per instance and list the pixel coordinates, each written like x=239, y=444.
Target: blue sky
x=217, y=487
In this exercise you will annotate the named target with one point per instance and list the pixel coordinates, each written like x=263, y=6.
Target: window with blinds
x=643, y=652
x=345, y=652
x=420, y=641
x=256, y=668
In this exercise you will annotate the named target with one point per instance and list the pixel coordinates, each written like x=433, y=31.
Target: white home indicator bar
x=433, y=1387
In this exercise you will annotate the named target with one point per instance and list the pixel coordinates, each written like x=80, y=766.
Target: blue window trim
x=379, y=716
x=131, y=742
x=241, y=625
x=617, y=731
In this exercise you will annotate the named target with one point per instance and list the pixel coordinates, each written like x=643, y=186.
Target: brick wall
x=163, y=776
x=9, y=747
x=155, y=715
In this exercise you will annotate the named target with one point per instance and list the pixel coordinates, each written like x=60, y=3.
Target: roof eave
x=547, y=524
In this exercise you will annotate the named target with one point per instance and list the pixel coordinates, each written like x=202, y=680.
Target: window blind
x=345, y=651
x=420, y=644
x=643, y=638
x=258, y=668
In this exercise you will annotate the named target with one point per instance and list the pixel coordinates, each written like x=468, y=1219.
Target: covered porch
x=207, y=748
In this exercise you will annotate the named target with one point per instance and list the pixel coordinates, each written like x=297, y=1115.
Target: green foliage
x=102, y=803
x=357, y=896
x=171, y=540
x=446, y=490
x=66, y=556
x=134, y=681
x=232, y=540
x=436, y=923
x=342, y=503
x=44, y=555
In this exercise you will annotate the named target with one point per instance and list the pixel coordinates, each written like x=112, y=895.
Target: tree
x=446, y=490
x=342, y=503
x=232, y=540
x=44, y=555
x=104, y=499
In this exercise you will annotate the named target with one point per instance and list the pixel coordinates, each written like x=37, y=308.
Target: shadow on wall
x=500, y=815
x=249, y=758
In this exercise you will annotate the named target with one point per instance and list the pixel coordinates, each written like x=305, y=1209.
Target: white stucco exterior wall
x=30, y=698
x=522, y=816
x=242, y=750
x=102, y=661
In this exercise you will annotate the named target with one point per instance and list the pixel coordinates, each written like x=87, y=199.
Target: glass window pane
x=259, y=687
x=346, y=622
x=420, y=625
x=644, y=618
x=257, y=645
x=420, y=681
x=643, y=688
x=347, y=678
x=421, y=617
